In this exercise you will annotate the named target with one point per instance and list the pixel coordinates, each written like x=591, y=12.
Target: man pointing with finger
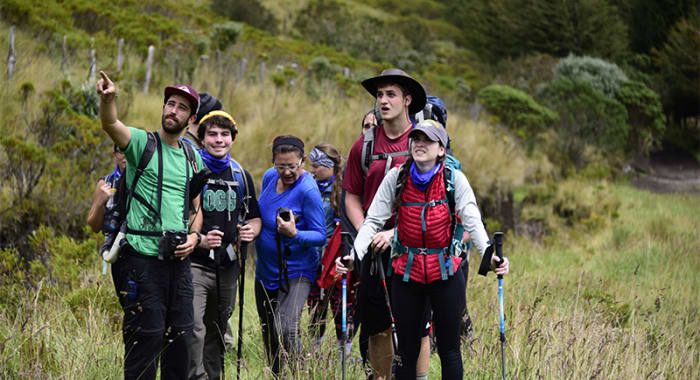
x=153, y=273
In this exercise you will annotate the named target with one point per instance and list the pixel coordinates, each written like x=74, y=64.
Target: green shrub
x=603, y=76
x=252, y=12
x=60, y=148
x=646, y=117
x=331, y=23
x=589, y=121
x=518, y=110
x=322, y=68
x=569, y=206
x=226, y=34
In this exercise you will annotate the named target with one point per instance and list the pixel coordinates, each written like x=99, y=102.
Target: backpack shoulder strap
x=242, y=190
x=153, y=144
x=189, y=153
x=368, y=148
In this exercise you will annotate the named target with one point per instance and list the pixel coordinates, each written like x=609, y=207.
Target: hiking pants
x=447, y=300
x=156, y=297
x=209, y=309
x=279, y=314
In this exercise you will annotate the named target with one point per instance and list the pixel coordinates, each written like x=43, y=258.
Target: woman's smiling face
x=289, y=167
x=425, y=150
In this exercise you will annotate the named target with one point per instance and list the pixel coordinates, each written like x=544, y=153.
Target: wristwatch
x=199, y=237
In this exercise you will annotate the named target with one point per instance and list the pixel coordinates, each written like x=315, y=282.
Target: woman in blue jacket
x=292, y=230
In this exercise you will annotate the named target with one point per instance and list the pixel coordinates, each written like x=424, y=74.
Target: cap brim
x=170, y=90
x=415, y=89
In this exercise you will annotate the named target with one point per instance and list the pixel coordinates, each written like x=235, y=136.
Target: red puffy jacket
x=424, y=222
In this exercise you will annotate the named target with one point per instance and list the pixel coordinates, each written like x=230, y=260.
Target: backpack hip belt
x=399, y=249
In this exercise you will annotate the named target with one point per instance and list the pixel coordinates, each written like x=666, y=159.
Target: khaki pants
x=205, y=349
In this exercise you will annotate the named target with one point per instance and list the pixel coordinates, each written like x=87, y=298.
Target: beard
x=173, y=129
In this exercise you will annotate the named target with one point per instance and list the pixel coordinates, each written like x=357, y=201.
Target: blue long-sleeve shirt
x=304, y=199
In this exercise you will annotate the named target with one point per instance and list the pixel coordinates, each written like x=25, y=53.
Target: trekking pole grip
x=498, y=243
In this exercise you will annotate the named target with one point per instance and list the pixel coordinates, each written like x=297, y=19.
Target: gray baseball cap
x=433, y=129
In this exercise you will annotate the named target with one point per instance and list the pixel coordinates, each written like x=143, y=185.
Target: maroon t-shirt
x=354, y=180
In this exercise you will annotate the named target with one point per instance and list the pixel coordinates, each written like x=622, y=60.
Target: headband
x=318, y=157
x=222, y=114
x=293, y=141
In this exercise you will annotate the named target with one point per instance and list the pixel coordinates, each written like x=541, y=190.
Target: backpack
x=434, y=109
x=457, y=246
x=125, y=195
x=368, y=154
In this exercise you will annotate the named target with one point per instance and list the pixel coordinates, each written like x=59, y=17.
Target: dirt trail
x=667, y=172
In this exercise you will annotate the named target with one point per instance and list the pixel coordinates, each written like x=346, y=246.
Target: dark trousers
x=156, y=297
x=447, y=300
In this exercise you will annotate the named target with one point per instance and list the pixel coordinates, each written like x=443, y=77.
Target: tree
x=679, y=66
x=251, y=12
x=499, y=29
x=650, y=21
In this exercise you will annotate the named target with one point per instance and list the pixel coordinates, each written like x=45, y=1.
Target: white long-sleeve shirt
x=381, y=210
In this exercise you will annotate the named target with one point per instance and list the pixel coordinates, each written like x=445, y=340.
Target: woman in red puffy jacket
x=425, y=258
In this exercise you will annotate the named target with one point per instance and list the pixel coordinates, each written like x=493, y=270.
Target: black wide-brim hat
x=415, y=89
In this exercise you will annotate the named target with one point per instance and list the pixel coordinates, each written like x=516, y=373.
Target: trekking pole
x=395, y=338
x=217, y=262
x=345, y=322
x=498, y=237
x=241, y=280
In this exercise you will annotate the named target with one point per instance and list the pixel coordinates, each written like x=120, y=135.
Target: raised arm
x=116, y=130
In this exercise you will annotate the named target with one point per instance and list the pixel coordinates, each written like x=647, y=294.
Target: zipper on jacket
x=425, y=257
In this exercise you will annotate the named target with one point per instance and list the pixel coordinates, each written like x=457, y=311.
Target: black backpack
x=125, y=195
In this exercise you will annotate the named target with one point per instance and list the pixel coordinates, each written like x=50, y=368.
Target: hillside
x=545, y=114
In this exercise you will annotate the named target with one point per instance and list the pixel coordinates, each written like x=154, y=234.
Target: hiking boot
x=467, y=328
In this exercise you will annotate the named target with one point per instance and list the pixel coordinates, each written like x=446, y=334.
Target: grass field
x=618, y=303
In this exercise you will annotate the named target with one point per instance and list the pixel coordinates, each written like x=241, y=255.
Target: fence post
x=178, y=53
x=11, y=59
x=262, y=72
x=93, y=60
x=241, y=68
x=293, y=81
x=64, y=54
x=149, y=64
x=120, y=54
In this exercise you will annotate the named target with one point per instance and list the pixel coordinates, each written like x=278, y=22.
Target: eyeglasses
x=292, y=167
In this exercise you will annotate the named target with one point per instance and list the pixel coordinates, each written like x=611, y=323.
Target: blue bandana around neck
x=323, y=186
x=217, y=165
x=117, y=172
x=423, y=180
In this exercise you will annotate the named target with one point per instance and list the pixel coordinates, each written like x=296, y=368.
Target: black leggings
x=447, y=300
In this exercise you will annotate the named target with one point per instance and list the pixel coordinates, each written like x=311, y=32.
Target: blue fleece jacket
x=304, y=199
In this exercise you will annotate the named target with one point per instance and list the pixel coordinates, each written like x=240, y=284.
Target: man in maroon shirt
x=398, y=96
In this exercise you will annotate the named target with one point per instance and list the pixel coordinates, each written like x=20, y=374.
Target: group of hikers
x=394, y=221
